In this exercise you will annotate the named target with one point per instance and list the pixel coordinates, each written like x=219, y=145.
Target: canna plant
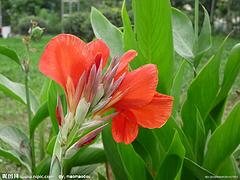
x=110, y=87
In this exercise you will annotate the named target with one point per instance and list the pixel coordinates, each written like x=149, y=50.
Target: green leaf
x=40, y=115
x=134, y=166
x=231, y=72
x=10, y=54
x=113, y=155
x=224, y=141
x=197, y=170
x=85, y=156
x=14, y=157
x=44, y=91
x=172, y=164
x=52, y=104
x=128, y=34
x=101, y=177
x=104, y=30
x=200, y=97
x=17, y=92
x=51, y=144
x=177, y=87
x=183, y=34
x=129, y=37
x=228, y=168
x=147, y=146
x=84, y=170
x=205, y=38
x=18, y=141
x=43, y=167
x=165, y=135
x=154, y=37
x=200, y=137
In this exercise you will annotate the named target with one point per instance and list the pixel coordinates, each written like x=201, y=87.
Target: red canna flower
x=77, y=67
x=139, y=104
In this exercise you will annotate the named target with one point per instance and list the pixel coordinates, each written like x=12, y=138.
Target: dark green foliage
x=79, y=25
x=25, y=24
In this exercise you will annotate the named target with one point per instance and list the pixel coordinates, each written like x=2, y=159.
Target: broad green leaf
x=172, y=164
x=17, y=92
x=196, y=169
x=200, y=137
x=101, y=177
x=183, y=34
x=224, y=141
x=51, y=144
x=129, y=37
x=104, y=30
x=153, y=29
x=147, y=146
x=228, y=168
x=128, y=34
x=43, y=167
x=231, y=72
x=200, y=97
x=134, y=166
x=205, y=38
x=14, y=157
x=52, y=104
x=85, y=156
x=10, y=54
x=83, y=170
x=165, y=135
x=204, y=41
x=177, y=87
x=113, y=155
x=18, y=141
x=40, y=115
x=44, y=91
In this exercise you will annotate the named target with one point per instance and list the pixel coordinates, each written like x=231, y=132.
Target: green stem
x=29, y=121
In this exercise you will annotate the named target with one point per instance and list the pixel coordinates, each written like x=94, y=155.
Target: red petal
x=124, y=61
x=138, y=87
x=96, y=48
x=156, y=113
x=65, y=56
x=124, y=127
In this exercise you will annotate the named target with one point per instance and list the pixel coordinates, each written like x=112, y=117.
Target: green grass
x=12, y=112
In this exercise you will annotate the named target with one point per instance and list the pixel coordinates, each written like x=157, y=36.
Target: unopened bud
x=36, y=33
x=25, y=65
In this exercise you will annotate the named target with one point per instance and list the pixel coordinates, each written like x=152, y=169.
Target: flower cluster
x=93, y=90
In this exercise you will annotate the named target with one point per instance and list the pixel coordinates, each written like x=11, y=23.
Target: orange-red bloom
x=77, y=67
x=139, y=104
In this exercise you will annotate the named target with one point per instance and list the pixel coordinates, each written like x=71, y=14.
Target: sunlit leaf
x=153, y=30
x=18, y=142
x=113, y=155
x=85, y=156
x=183, y=34
x=110, y=34
x=172, y=164
x=17, y=92
x=177, y=87
x=205, y=38
x=10, y=54
x=224, y=141
x=196, y=169
x=40, y=115
x=200, y=96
